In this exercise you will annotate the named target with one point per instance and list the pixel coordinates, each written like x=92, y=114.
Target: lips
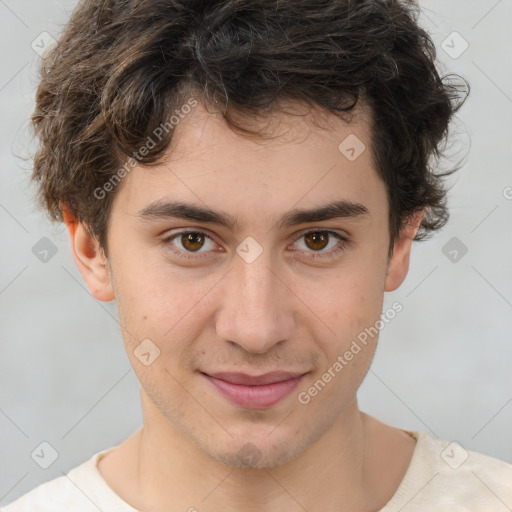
x=255, y=380
x=255, y=391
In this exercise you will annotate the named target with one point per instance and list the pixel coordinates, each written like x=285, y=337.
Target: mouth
x=255, y=391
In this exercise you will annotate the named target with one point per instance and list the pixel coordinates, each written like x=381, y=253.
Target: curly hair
x=121, y=68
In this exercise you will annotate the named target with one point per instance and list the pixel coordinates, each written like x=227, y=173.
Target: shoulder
x=446, y=475
x=82, y=488
x=58, y=495
x=454, y=462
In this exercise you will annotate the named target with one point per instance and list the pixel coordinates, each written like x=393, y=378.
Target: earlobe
x=89, y=258
x=398, y=264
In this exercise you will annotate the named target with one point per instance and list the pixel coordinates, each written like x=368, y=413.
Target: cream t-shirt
x=442, y=477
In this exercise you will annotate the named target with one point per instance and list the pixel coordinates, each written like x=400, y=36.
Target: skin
x=283, y=311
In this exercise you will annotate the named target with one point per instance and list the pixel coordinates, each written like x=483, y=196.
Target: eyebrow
x=162, y=210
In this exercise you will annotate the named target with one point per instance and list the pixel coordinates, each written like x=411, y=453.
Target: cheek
x=148, y=289
x=355, y=309
x=167, y=307
x=350, y=301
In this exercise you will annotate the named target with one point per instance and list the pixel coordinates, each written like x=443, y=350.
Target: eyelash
x=312, y=255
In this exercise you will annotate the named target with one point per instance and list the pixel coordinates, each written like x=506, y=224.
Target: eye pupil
x=317, y=237
x=190, y=241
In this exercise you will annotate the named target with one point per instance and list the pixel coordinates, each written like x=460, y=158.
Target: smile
x=255, y=392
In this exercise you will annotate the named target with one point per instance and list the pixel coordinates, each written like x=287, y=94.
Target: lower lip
x=255, y=397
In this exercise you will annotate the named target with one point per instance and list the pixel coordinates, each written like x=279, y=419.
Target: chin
x=257, y=451
x=257, y=457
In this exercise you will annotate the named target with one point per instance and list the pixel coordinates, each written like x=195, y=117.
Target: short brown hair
x=123, y=67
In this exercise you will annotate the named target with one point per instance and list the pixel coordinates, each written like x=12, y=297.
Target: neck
x=357, y=464
x=330, y=474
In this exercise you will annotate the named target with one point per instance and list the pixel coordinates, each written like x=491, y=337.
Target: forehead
x=297, y=162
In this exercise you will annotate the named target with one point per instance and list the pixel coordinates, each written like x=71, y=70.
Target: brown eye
x=316, y=244
x=190, y=244
x=317, y=240
x=192, y=241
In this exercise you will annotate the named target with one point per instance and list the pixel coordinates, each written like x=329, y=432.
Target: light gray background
x=443, y=364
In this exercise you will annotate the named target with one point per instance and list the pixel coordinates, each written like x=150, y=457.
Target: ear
x=398, y=264
x=89, y=258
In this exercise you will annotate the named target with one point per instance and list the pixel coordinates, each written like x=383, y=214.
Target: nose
x=257, y=307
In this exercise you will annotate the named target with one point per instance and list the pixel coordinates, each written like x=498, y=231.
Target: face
x=253, y=288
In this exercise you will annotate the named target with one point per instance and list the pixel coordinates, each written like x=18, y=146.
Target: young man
x=246, y=178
